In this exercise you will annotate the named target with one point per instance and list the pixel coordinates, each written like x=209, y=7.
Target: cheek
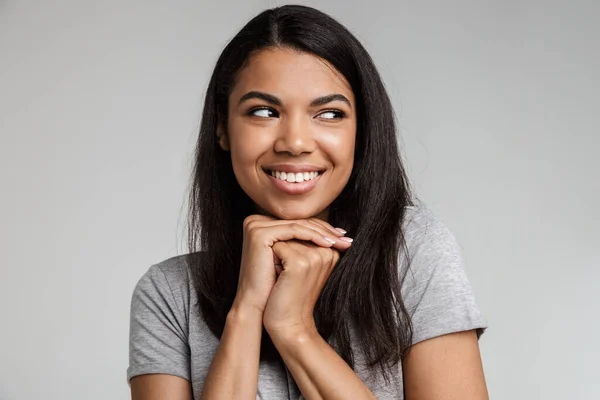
x=247, y=143
x=340, y=148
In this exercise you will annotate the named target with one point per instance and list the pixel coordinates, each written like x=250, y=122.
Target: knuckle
x=251, y=228
x=314, y=223
x=249, y=220
x=302, y=264
x=255, y=233
x=315, y=257
x=335, y=255
x=328, y=257
x=319, y=222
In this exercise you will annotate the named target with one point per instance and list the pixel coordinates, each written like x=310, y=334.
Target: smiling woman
x=311, y=273
x=293, y=113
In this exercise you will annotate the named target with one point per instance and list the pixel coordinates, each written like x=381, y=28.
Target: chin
x=294, y=213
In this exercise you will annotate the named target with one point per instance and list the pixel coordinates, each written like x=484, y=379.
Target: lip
x=294, y=188
x=294, y=167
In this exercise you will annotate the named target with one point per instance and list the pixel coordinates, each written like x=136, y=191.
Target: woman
x=311, y=273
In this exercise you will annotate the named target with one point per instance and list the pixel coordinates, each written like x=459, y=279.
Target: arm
x=234, y=370
x=444, y=360
x=233, y=373
x=317, y=369
x=158, y=349
x=444, y=368
x=160, y=386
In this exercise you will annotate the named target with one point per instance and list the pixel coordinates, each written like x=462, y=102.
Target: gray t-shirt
x=167, y=337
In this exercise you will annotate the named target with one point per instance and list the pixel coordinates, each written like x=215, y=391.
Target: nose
x=295, y=136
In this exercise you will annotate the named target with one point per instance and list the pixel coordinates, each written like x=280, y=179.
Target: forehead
x=290, y=73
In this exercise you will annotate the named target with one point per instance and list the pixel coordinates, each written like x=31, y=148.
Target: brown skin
x=234, y=369
x=286, y=259
x=299, y=134
x=447, y=367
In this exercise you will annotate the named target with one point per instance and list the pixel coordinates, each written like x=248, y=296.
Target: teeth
x=295, y=177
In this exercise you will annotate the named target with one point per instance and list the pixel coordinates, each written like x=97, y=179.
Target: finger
x=278, y=269
x=330, y=258
x=336, y=258
x=330, y=254
x=285, y=252
x=256, y=223
x=257, y=217
x=341, y=243
x=269, y=235
x=327, y=258
x=337, y=242
x=326, y=225
x=323, y=226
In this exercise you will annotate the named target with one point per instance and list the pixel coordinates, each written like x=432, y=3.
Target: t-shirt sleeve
x=158, y=342
x=436, y=290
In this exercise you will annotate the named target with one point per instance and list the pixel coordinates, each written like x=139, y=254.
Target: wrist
x=295, y=344
x=244, y=313
x=292, y=336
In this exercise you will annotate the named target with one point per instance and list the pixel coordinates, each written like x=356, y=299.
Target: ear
x=222, y=136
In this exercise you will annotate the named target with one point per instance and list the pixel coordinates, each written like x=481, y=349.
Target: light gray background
x=99, y=106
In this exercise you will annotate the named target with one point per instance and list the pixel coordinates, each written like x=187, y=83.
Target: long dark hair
x=363, y=290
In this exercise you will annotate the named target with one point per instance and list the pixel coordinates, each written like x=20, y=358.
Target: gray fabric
x=167, y=337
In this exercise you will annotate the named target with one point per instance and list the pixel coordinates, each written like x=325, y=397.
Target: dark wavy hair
x=363, y=290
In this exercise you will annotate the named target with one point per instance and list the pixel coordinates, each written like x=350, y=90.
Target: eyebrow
x=319, y=101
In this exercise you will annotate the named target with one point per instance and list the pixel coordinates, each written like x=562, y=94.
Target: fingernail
x=341, y=230
x=329, y=240
x=346, y=239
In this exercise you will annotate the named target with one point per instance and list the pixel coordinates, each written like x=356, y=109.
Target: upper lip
x=294, y=167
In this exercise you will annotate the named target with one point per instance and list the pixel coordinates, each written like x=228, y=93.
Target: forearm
x=318, y=370
x=233, y=372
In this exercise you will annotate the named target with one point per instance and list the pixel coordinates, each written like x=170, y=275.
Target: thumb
x=282, y=251
x=277, y=260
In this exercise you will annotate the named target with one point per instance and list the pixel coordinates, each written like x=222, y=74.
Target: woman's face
x=293, y=115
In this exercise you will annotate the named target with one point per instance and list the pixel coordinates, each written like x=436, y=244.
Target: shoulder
x=166, y=284
x=435, y=287
x=430, y=247
x=159, y=330
x=425, y=232
x=170, y=275
x=175, y=270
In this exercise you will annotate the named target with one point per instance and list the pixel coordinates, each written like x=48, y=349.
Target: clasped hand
x=285, y=264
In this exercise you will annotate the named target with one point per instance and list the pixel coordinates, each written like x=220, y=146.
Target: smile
x=294, y=183
x=295, y=177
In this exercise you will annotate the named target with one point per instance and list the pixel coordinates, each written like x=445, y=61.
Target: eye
x=263, y=112
x=332, y=114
